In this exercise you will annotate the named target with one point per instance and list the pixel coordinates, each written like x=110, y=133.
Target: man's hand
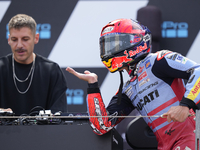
x=177, y=113
x=87, y=76
x=6, y=110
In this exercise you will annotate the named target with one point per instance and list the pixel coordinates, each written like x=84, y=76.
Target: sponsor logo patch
x=129, y=91
x=140, y=69
x=179, y=58
x=184, y=60
x=146, y=38
x=138, y=50
x=142, y=76
x=108, y=29
x=147, y=64
x=147, y=99
x=144, y=81
x=195, y=90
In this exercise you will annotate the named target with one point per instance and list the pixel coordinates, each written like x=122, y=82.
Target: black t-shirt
x=47, y=90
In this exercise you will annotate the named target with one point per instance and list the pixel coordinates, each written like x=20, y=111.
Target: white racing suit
x=157, y=86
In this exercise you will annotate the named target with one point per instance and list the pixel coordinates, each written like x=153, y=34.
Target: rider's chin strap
x=120, y=88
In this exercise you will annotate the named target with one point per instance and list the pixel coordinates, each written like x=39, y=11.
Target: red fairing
x=96, y=107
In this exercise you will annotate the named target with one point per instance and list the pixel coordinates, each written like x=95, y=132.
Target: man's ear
x=37, y=36
x=9, y=39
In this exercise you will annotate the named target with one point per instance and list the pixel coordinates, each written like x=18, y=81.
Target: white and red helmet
x=124, y=42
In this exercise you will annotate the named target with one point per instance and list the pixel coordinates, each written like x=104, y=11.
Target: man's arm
x=174, y=65
x=96, y=107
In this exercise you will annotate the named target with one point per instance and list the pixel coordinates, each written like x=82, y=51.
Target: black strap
x=120, y=88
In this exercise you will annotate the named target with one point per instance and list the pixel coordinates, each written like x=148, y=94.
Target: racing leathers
x=156, y=84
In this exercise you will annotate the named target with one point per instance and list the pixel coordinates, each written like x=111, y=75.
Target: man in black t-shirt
x=28, y=80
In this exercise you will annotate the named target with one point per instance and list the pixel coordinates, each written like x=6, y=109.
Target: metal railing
x=197, y=130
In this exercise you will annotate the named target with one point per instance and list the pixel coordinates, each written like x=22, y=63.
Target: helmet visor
x=111, y=44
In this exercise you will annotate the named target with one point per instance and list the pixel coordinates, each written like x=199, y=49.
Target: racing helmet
x=124, y=42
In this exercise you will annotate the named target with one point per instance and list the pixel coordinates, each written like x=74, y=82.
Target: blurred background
x=70, y=30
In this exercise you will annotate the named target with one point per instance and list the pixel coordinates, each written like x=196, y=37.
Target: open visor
x=115, y=42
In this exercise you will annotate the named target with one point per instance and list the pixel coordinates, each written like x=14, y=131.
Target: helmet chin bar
x=106, y=58
x=138, y=59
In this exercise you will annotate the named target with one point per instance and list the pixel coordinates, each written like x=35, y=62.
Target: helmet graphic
x=124, y=42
